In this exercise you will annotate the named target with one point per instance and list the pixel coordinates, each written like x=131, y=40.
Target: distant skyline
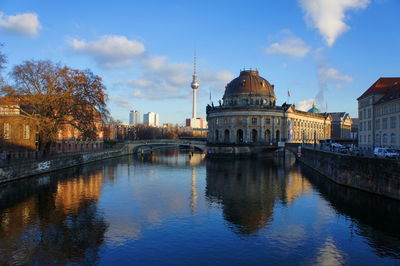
x=328, y=51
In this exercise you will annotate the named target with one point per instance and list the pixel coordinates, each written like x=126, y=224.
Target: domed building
x=248, y=115
x=314, y=109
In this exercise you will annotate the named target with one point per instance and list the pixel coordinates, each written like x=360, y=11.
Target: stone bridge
x=137, y=145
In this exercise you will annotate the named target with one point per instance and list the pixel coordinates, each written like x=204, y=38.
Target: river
x=169, y=208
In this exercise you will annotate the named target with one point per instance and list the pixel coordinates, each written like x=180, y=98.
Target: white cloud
x=121, y=101
x=26, y=24
x=291, y=46
x=328, y=16
x=155, y=62
x=110, y=51
x=216, y=80
x=327, y=75
x=162, y=79
x=140, y=94
x=305, y=105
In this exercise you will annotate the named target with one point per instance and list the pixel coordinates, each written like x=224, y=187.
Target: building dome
x=314, y=109
x=249, y=82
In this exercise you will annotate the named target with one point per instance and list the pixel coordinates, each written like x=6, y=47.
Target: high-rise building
x=134, y=117
x=131, y=117
x=137, y=117
x=151, y=119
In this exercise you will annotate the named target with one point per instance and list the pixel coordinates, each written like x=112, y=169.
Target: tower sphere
x=194, y=84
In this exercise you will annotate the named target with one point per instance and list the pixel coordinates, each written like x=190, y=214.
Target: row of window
x=365, y=102
x=393, y=122
x=383, y=123
x=364, y=139
x=382, y=110
x=250, y=101
x=7, y=132
x=240, y=136
x=367, y=114
x=268, y=121
x=388, y=109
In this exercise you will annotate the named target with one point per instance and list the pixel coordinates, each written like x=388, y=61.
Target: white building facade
x=379, y=115
x=151, y=119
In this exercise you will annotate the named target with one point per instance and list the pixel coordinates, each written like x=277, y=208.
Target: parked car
x=336, y=147
x=386, y=153
x=357, y=152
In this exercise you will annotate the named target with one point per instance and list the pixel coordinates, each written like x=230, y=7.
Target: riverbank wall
x=375, y=175
x=16, y=171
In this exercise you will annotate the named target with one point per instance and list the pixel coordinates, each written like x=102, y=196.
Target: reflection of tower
x=193, y=195
x=194, y=85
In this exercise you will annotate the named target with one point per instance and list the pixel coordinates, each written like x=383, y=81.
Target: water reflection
x=193, y=194
x=53, y=220
x=166, y=207
x=248, y=189
x=375, y=218
x=172, y=157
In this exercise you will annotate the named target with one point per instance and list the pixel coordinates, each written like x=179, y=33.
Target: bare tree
x=54, y=95
x=3, y=61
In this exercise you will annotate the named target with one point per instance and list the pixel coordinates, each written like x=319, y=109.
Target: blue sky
x=328, y=51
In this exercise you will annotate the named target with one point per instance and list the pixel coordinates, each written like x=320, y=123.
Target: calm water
x=167, y=208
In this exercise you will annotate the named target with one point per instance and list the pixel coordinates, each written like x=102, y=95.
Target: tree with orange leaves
x=53, y=96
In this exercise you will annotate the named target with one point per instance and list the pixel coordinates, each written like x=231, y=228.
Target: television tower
x=194, y=85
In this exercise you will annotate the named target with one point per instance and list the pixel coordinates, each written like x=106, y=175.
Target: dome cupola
x=249, y=89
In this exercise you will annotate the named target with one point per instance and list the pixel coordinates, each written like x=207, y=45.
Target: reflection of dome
x=249, y=82
x=314, y=109
x=247, y=191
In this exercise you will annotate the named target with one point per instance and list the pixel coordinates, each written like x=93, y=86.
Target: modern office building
x=134, y=117
x=131, y=117
x=151, y=119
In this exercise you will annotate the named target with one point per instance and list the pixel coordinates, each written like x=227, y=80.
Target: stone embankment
x=16, y=171
x=375, y=175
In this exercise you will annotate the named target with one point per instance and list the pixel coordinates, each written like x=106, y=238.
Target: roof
x=314, y=109
x=338, y=114
x=392, y=93
x=382, y=85
x=249, y=82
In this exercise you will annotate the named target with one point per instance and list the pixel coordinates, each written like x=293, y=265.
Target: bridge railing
x=167, y=141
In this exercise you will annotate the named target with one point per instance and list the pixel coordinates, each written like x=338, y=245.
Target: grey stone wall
x=380, y=176
x=14, y=172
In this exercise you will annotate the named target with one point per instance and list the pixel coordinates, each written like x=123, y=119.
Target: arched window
x=278, y=137
x=393, y=138
x=216, y=135
x=268, y=136
x=384, y=138
x=226, y=136
x=254, y=135
x=239, y=136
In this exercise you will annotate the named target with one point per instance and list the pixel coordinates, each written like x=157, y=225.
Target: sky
x=323, y=51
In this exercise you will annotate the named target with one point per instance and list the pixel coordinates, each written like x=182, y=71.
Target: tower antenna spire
x=194, y=63
x=194, y=85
